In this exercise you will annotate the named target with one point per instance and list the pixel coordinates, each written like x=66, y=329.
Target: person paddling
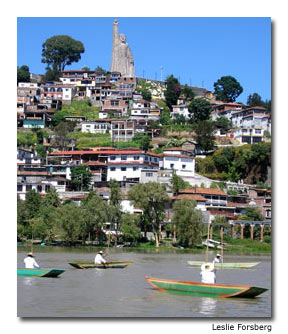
x=207, y=273
x=99, y=259
x=217, y=258
x=30, y=262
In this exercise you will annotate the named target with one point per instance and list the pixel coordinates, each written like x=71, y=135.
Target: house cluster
x=129, y=167
x=249, y=124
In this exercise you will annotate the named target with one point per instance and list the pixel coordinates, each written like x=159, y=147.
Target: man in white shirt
x=217, y=258
x=99, y=259
x=30, y=262
x=208, y=273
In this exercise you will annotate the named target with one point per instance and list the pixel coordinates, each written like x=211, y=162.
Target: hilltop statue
x=122, y=58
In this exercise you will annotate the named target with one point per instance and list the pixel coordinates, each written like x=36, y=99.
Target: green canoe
x=239, y=265
x=203, y=289
x=107, y=265
x=41, y=272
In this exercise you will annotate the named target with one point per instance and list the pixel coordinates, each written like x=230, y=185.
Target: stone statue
x=122, y=58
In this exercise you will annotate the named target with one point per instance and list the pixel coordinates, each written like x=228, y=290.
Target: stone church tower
x=122, y=58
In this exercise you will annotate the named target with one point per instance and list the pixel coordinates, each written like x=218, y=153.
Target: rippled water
x=125, y=293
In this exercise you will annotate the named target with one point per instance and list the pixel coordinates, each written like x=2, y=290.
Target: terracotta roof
x=112, y=152
x=198, y=198
x=177, y=156
x=94, y=163
x=255, y=108
x=27, y=173
x=208, y=191
x=174, y=149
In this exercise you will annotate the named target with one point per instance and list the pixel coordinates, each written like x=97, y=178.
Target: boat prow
x=204, y=289
x=39, y=272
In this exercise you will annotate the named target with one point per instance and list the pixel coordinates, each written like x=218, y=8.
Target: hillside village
x=114, y=126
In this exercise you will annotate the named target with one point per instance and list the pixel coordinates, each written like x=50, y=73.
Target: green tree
x=254, y=100
x=204, y=135
x=60, y=51
x=62, y=134
x=223, y=123
x=188, y=221
x=172, y=92
x=32, y=203
x=115, y=207
x=143, y=140
x=57, y=118
x=130, y=227
x=70, y=219
x=151, y=197
x=188, y=93
x=23, y=74
x=81, y=178
x=51, y=74
x=96, y=214
x=200, y=110
x=227, y=89
x=178, y=183
x=52, y=198
x=252, y=214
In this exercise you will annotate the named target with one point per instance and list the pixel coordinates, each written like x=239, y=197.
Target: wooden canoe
x=41, y=272
x=225, y=265
x=107, y=265
x=203, y=289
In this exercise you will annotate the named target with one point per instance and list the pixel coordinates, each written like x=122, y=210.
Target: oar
x=222, y=248
x=207, y=242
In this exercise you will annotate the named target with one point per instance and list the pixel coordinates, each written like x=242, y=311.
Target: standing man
x=30, y=262
x=207, y=273
x=99, y=259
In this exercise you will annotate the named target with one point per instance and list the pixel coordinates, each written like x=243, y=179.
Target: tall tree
x=188, y=221
x=130, y=227
x=178, y=183
x=204, y=135
x=188, y=93
x=115, y=207
x=151, y=197
x=200, y=110
x=254, y=100
x=227, y=89
x=81, y=178
x=23, y=74
x=172, y=92
x=60, y=51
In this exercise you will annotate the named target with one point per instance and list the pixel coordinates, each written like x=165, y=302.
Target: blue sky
x=198, y=51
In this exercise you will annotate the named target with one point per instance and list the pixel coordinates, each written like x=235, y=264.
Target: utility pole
x=161, y=69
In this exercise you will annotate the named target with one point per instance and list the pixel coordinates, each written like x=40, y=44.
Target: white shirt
x=99, y=259
x=30, y=263
x=208, y=277
x=216, y=260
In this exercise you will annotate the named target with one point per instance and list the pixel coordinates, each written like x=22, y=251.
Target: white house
x=180, y=110
x=99, y=126
x=179, y=160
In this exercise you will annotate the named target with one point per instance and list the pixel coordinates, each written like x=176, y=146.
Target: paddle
x=207, y=242
x=222, y=248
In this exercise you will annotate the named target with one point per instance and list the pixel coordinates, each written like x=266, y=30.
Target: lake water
x=114, y=293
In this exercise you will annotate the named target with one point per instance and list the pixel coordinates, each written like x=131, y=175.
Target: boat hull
x=107, y=265
x=240, y=265
x=203, y=289
x=43, y=272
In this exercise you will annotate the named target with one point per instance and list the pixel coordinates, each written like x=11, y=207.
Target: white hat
x=100, y=252
x=218, y=255
x=207, y=266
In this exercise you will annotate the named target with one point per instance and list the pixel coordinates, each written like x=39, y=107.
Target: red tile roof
x=206, y=191
x=198, y=198
x=112, y=152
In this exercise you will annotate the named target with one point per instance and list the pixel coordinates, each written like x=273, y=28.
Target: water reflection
x=208, y=306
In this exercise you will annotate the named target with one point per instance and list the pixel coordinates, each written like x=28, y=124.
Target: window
x=136, y=157
x=149, y=174
x=28, y=187
x=112, y=169
x=19, y=187
x=183, y=166
x=135, y=168
x=171, y=165
x=123, y=169
x=112, y=157
x=39, y=189
x=123, y=157
x=258, y=131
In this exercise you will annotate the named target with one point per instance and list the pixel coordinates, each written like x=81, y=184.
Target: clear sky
x=198, y=51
